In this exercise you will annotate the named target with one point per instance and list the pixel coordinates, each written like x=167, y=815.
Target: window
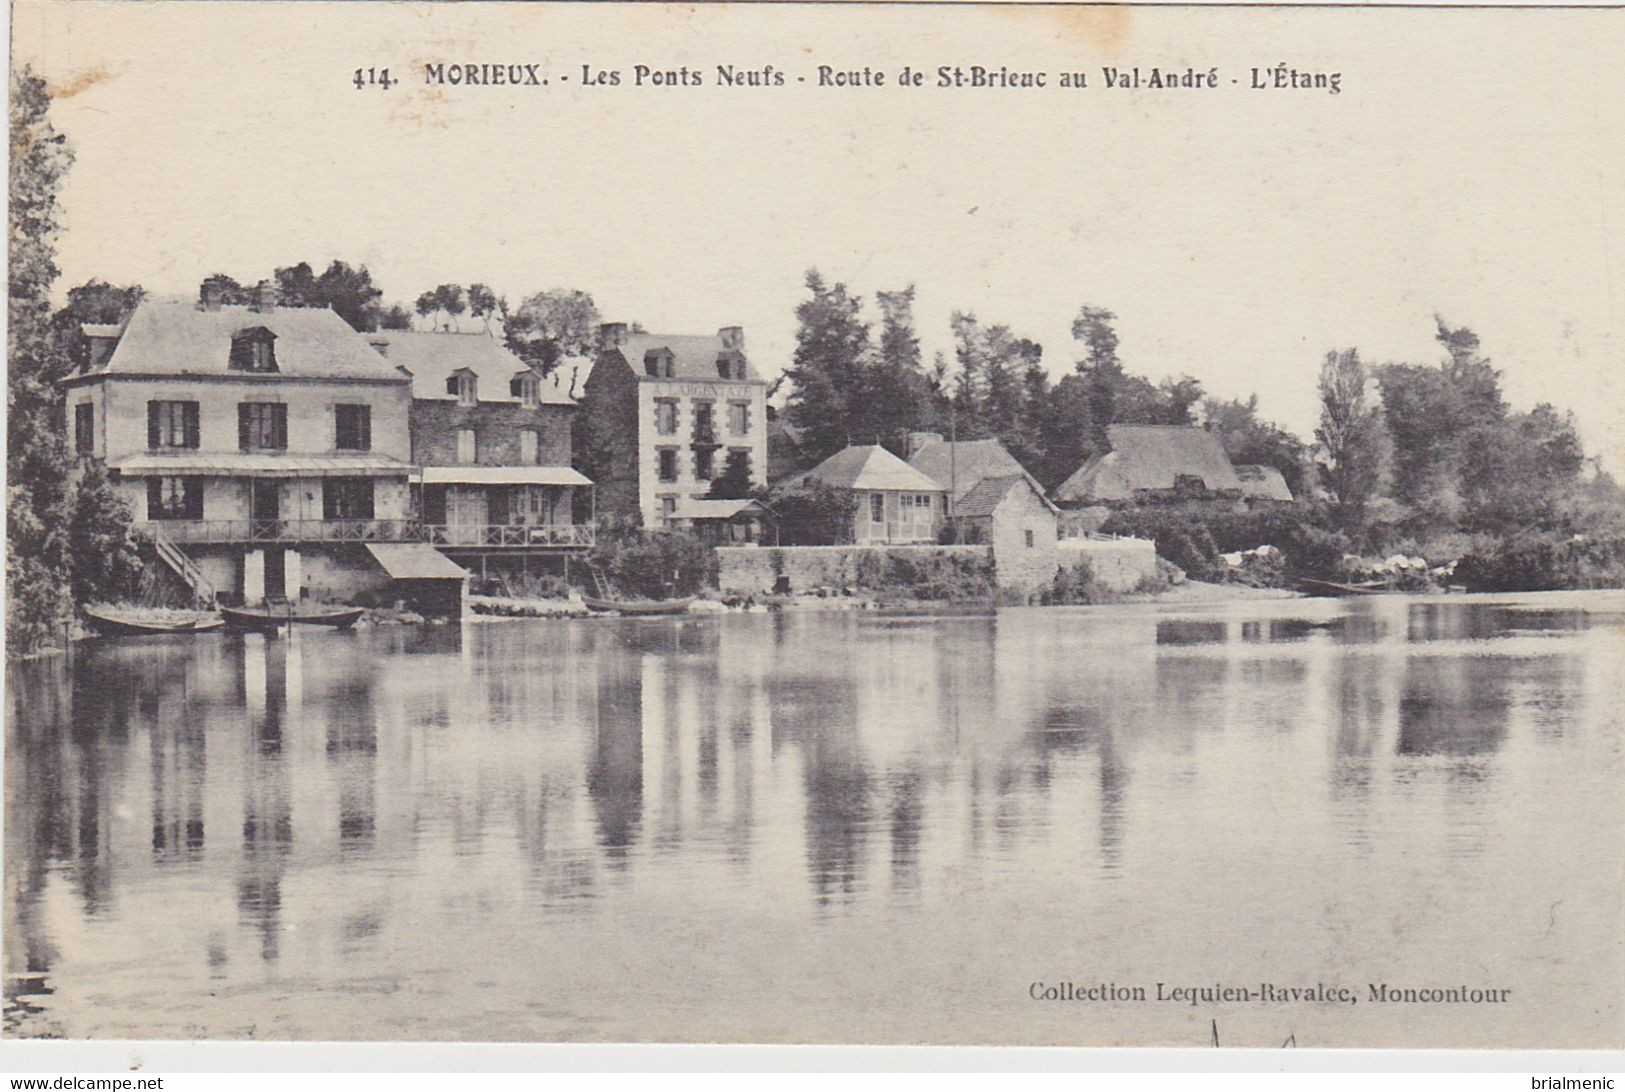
x=704, y=461
x=174, y=498
x=668, y=505
x=253, y=351
x=262, y=426
x=738, y=418
x=529, y=447
x=172, y=424
x=659, y=363
x=915, y=517
x=668, y=464
x=347, y=498
x=666, y=416
x=526, y=388
x=705, y=431
x=352, y=427
x=465, y=385
x=84, y=428
x=877, y=508
x=1029, y=534
x=466, y=447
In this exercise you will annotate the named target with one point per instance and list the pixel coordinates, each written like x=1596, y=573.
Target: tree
x=347, y=289
x=734, y=483
x=549, y=326
x=896, y=395
x=812, y=513
x=1249, y=440
x=445, y=299
x=36, y=458
x=105, y=562
x=1354, y=447
x=482, y=302
x=395, y=317
x=828, y=368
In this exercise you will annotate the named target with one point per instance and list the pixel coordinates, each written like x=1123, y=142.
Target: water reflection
x=406, y=797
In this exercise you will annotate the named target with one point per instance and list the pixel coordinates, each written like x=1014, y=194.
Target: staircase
x=173, y=556
x=598, y=581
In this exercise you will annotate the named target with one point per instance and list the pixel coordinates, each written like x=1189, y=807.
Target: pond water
x=831, y=827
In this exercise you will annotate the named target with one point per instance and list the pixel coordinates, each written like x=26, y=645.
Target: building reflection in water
x=397, y=785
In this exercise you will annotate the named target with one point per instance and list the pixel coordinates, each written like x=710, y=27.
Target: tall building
x=661, y=415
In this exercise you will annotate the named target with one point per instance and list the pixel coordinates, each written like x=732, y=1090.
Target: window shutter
x=364, y=427
x=152, y=425
x=243, y=437
x=191, y=425
x=155, y=494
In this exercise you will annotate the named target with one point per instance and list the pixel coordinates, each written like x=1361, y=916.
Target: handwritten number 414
x=373, y=77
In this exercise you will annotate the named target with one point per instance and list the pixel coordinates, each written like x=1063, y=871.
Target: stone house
x=492, y=437
x=1012, y=515
x=660, y=415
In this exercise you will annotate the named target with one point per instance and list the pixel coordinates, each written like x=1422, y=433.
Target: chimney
x=265, y=296
x=917, y=440
x=611, y=335
x=732, y=337
x=211, y=295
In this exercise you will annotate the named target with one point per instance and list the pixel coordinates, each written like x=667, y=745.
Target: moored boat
x=1332, y=587
x=638, y=606
x=114, y=623
x=270, y=619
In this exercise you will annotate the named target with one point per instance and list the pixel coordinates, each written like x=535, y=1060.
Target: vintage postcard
x=816, y=523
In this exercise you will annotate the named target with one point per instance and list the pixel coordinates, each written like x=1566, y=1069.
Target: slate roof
x=1263, y=482
x=433, y=357
x=415, y=561
x=983, y=497
x=178, y=339
x=967, y=462
x=693, y=356
x=869, y=467
x=1150, y=457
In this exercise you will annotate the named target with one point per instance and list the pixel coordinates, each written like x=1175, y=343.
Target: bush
x=1542, y=561
x=103, y=556
x=1075, y=584
x=814, y=514
x=653, y=564
x=1193, y=534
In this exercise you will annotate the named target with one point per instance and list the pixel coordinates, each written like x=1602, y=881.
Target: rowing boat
x=116, y=624
x=638, y=606
x=269, y=619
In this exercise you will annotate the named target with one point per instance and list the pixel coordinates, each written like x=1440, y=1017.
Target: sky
x=1469, y=166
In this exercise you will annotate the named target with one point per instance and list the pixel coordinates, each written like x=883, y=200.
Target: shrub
x=1075, y=584
x=814, y=514
x=103, y=557
x=653, y=564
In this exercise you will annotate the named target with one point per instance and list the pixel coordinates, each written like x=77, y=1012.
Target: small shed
x=1012, y=515
x=741, y=522
x=423, y=578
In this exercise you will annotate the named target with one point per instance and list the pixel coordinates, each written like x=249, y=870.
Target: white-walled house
x=265, y=445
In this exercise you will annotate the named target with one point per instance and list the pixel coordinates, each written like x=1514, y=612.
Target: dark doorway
x=276, y=574
x=265, y=507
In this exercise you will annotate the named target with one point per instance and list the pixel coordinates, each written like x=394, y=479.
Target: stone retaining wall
x=1118, y=565
x=756, y=570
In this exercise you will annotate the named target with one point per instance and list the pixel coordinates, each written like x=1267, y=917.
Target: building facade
x=259, y=447
x=895, y=503
x=492, y=440
x=662, y=415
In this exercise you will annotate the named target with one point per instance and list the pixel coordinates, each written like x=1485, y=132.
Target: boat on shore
x=638, y=606
x=116, y=623
x=1334, y=588
x=272, y=618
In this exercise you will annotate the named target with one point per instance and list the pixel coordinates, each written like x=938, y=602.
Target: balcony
x=292, y=531
x=507, y=536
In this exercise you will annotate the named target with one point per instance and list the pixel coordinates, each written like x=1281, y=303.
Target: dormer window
x=731, y=366
x=253, y=350
x=464, y=384
x=526, y=386
x=660, y=363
